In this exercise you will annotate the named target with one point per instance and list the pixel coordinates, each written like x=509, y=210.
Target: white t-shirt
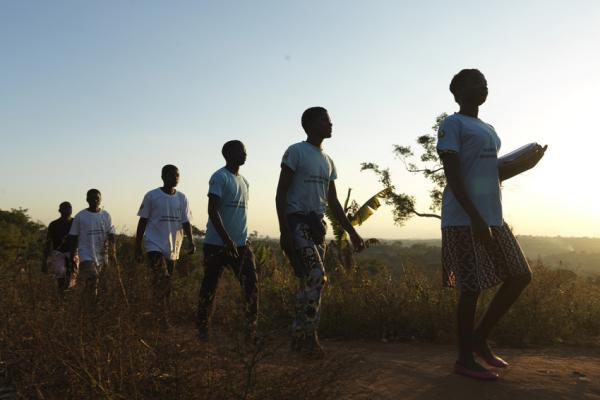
x=166, y=214
x=313, y=171
x=477, y=146
x=92, y=230
x=233, y=205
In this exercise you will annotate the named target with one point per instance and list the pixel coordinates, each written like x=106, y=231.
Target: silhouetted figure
x=164, y=218
x=479, y=250
x=225, y=243
x=92, y=237
x=306, y=185
x=64, y=266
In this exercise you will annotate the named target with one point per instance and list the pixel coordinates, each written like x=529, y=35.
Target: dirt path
x=367, y=370
x=423, y=372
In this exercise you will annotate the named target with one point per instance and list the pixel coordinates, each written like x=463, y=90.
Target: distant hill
x=580, y=254
x=545, y=246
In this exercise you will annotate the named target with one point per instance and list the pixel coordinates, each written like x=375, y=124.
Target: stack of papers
x=518, y=155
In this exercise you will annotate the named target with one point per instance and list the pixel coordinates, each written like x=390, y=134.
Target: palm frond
x=367, y=209
x=338, y=231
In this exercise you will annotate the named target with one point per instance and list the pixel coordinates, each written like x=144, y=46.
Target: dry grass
x=57, y=349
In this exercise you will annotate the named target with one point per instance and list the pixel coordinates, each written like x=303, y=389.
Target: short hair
x=64, y=204
x=93, y=191
x=460, y=80
x=167, y=168
x=310, y=116
x=229, y=146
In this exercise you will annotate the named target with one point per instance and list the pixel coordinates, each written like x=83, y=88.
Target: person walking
x=64, y=266
x=225, y=243
x=164, y=219
x=92, y=237
x=479, y=251
x=306, y=186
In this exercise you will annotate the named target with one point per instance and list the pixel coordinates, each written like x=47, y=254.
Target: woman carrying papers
x=479, y=250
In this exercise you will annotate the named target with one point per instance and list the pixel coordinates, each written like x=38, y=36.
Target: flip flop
x=479, y=375
x=493, y=361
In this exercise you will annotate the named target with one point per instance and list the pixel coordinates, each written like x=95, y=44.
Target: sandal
x=492, y=360
x=483, y=351
x=485, y=375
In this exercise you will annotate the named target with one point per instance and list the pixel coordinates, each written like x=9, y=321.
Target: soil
x=370, y=370
x=424, y=372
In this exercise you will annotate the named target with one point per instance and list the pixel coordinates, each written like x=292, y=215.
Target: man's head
x=469, y=87
x=65, y=209
x=316, y=122
x=234, y=152
x=170, y=175
x=93, y=198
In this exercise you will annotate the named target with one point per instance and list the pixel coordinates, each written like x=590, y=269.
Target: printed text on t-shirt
x=317, y=179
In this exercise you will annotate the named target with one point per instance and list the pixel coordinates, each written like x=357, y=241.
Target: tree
x=429, y=165
x=20, y=237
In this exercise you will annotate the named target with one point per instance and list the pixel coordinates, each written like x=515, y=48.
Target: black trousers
x=216, y=259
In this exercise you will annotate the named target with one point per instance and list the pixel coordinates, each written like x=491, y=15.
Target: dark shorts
x=88, y=269
x=217, y=257
x=469, y=265
x=159, y=264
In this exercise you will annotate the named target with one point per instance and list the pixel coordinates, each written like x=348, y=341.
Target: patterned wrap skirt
x=470, y=265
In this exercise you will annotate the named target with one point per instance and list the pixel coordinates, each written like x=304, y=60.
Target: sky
x=104, y=93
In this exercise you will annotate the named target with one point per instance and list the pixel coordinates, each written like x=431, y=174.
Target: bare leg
x=467, y=304
x=508, y=293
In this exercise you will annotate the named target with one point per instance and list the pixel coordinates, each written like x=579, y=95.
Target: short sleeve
x=291, y=158
x=449, y=136
x=186, y=213
x=145, y=207
x=247, y=188
x=111, y=227
x=74, y=231
x=216, y=184
x=333, y=175
x=496, y=138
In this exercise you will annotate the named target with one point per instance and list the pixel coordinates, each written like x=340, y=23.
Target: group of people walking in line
x=479, y=251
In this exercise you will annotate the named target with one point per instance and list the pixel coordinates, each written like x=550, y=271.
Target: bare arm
x=47, y=250
x=215, y=217
x=187, y=230
x=507, y=171
x=340, y=216
x=217, y=221
x=456, y=184
x=112, y=248
x=73, y=241
x=285, y=180
x=139, y=236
